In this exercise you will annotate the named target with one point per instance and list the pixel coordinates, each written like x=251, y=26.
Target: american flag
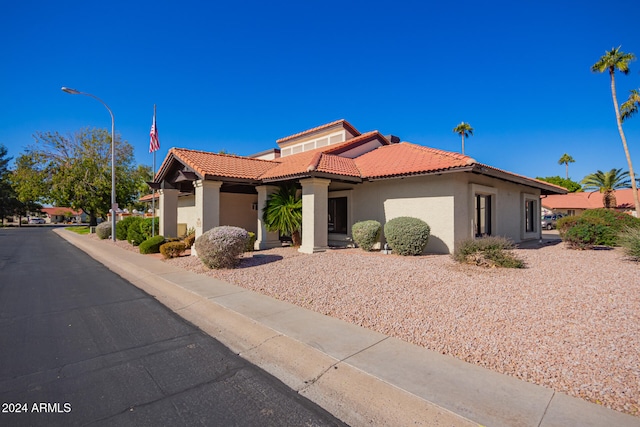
x=154, y=144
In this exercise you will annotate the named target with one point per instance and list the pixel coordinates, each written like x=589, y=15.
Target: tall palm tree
x=464, y=130
x=565, y=160
x=283, y=212
x=607, y=183
x=630, y=106
x=611, y=61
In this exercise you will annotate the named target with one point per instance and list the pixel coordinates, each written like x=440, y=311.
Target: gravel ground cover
x=570, y=321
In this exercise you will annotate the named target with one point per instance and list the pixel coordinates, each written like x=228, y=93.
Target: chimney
x=393, y=139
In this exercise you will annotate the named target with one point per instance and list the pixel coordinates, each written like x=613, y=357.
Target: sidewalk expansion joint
x=257, y=346
x=547, y=408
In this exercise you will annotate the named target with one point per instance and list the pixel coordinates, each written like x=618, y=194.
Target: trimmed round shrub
x=222, y=246
x=151, y=245
x=407, y=235
x=103, y=230
x=146, y=227
x=595, y=227
x=366, y=234
x=122, y=227
x=172, y=249
x=489, y=251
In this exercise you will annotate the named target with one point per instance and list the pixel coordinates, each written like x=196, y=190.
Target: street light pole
x=114, y=205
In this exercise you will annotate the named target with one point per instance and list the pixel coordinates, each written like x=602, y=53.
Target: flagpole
x=153, y=193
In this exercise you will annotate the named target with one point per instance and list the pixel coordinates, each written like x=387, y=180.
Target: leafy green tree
x=30, y=184
x=141, y=175
x=607, y=183
x=77, y=170
x=464, y=130
x=283, y=213
x=565, y=160
x=569, y=184
x=611, y=61
x=8, y=200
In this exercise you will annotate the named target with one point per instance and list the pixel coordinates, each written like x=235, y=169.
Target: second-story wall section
x=329, y=134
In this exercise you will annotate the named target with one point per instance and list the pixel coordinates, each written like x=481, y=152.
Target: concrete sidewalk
x=360, y=376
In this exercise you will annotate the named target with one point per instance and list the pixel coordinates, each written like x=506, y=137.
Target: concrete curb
x=360, y=376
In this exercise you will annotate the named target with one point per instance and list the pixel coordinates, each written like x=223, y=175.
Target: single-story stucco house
x=576, y=203
x=345, y=177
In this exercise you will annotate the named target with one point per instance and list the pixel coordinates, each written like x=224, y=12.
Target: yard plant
x=366, y=234
x=151, y=245
x=103, y=230
x=629, y=240
x=283, y=213
x=222, y=246
x=407, y=235
x=595, y=227
x=172, y=249
x=489, y=251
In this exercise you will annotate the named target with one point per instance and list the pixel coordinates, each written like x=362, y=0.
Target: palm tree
x=565, y=160
x=283, y=212
x=614, y=60
x=606, y=183
x=464, y=130
x=630, y=106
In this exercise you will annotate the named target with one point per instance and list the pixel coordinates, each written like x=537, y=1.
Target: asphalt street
x=81, y=346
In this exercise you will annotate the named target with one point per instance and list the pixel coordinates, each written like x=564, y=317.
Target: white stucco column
x=168, y=212
x=265, y=239
x=207, y=205
x=314, y=214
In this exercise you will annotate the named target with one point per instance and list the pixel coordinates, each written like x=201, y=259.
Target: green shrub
x=147, y=227
x=221, y=247
x=172, y=249
x=366, y=234
x=489, y=251
x=122, y=227
x=595, y=227
x=629, y=240
x=151, y=245
x=251, y=242
x=103, y=230
x=134, y=235
x=406, y=235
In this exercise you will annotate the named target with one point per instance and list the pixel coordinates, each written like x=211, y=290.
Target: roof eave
x=506, y=176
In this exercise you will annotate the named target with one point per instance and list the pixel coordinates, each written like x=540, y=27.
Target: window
x=483, y=215
x=338, y=215
x=530, y=215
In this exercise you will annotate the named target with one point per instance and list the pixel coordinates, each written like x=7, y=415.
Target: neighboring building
x=345, y=177
x=576, y=203
x=56, y=215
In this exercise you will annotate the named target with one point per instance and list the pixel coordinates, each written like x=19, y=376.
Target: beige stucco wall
x=236, y=210
x=446, y=202
x=428, y=198
x=187, y=211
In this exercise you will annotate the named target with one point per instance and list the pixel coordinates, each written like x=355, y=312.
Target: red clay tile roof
x=385, y=161
x=224, y=165
x=408, y=159
x=587, y=200
x=343, y=122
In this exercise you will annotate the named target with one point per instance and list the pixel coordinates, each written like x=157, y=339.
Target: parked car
x=36, y=221
x=549, y=222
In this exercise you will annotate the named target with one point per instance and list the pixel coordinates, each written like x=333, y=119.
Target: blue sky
x=236, y=76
